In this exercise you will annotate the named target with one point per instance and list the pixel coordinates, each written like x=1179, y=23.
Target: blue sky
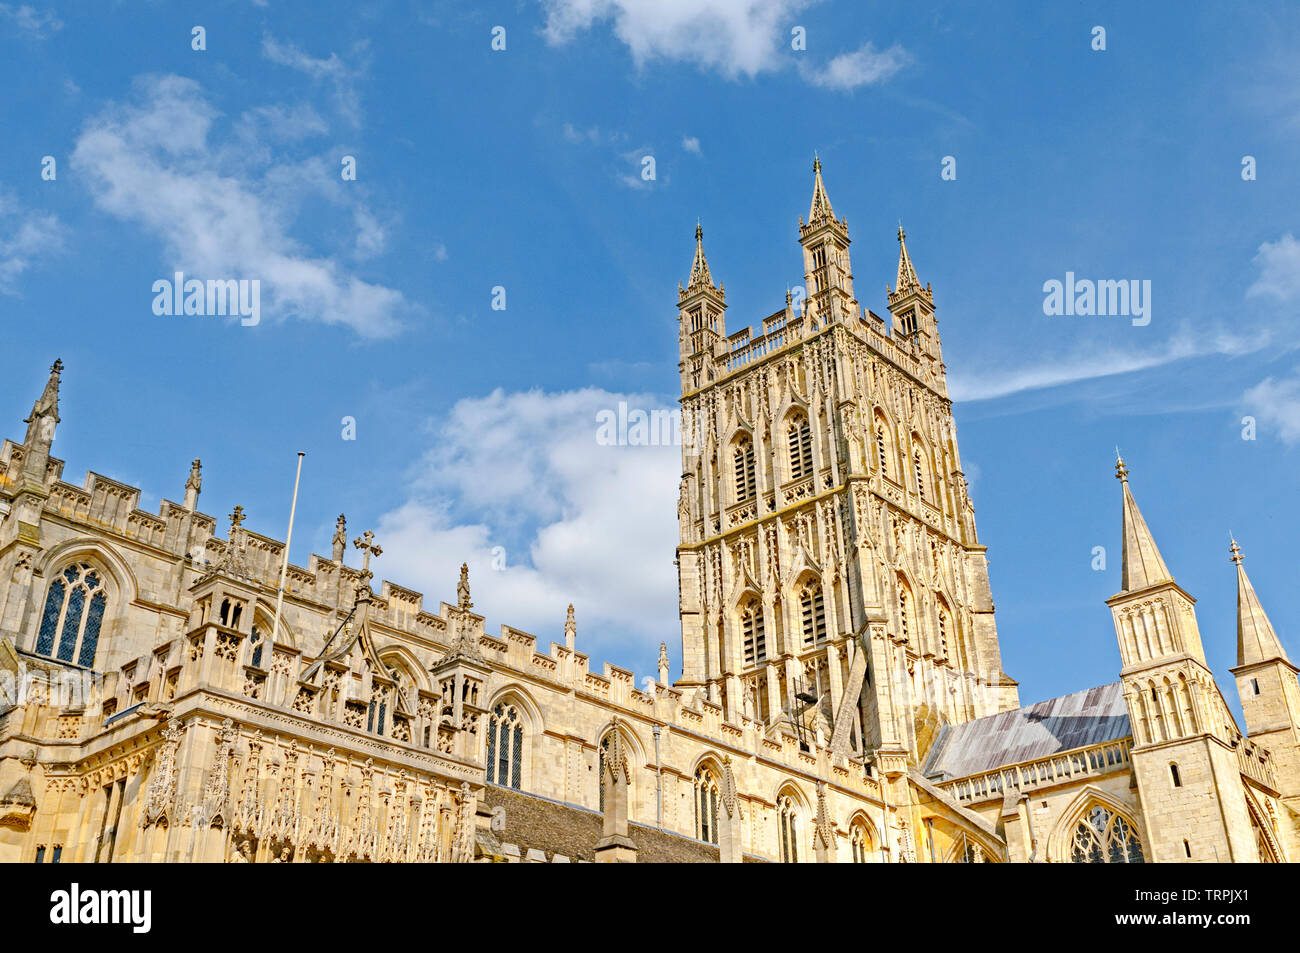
x=522, y=169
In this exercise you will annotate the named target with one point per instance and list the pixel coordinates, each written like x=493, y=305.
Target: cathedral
x=173, y=690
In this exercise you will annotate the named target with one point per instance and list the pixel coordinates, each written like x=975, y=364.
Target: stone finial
x=42, y=421
x=462, y=588
x=570, y=629
x=340, y=540
x=236, y=521
x=663, y=663
x=194, y=484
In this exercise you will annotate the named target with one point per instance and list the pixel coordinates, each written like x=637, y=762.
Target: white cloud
x=156, y=162
x=734, y=37
x=1279, y=269
x=38, y=23
x=988, y=384
x=573, y=134
x=333, y=70
x=863, y=67
x=691, y=144
x=1276, y=405
x=25, y=236
x=578, y=522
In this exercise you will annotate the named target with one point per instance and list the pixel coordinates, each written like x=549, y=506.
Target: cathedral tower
x=1187, y=752
x=830, y=575
x=1266, y=684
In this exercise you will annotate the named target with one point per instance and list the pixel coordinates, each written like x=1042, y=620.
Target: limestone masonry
x=841, y=694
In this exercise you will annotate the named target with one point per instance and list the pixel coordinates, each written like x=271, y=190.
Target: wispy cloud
x=863, y=67
x=333, y=70
x=1279, y=269
x=991, y=383
x=156, y=161
x=25, y=237
x=691, y=144
x=33, y=22
x=1276, y=405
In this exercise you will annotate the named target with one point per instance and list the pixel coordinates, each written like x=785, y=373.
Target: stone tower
x=1188, y=756
x=1266, y=684
x=829, y=570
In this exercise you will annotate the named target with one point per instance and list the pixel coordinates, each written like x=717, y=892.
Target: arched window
x=255, y=646
x=904, y=611
x=751, y=620
x=706, y=805
x=918, y=467
x=74, y=613
x=505, y=747
x=882, y=451
x=860, y=842
x=743, y=464
x=813, y=608
x=944, y=625
x=800, y=438
x=1104, y=837
x=788, y=818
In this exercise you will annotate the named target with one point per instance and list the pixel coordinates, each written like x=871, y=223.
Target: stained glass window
x=67, y=616
x=505, y=747
x=1104, y=837
x=706, y=805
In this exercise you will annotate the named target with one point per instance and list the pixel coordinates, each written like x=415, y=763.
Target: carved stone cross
x=366, y=543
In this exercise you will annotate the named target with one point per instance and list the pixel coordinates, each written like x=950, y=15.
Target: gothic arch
x=1060, y=841
x=1266, y=838
x=264, y=616
x=115, y=578
x=395, y=652
x=515, y=693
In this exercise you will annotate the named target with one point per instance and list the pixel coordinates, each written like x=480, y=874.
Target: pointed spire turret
x=821, y=202
x=45, y=412
x=1143, y=564
x=700, y=276
x=1256, y=639
x=907, y=283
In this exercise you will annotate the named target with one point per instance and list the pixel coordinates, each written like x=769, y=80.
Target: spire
x=1256, y=640
x=1143, y=565
x=907, y=280
x=821, y=203
x=45, y=412
x=700, y=276
x=907, y=283
x=570, y=629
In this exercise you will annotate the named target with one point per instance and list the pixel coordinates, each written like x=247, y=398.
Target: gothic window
x=860, y=841
x=743, y=463
x=706, y=805
x=1105, y=837
x=904, y=611
x=943, y=630
x=74, y=613
x=813, y=609
x=255, y=647
x=377, y=713
x=755, y=637
x=788, y=818
x=505, y=747
x=881, y=449
x=918, y=466
x=800, y=437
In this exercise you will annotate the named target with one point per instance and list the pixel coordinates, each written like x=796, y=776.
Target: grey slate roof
x=1089, y=717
